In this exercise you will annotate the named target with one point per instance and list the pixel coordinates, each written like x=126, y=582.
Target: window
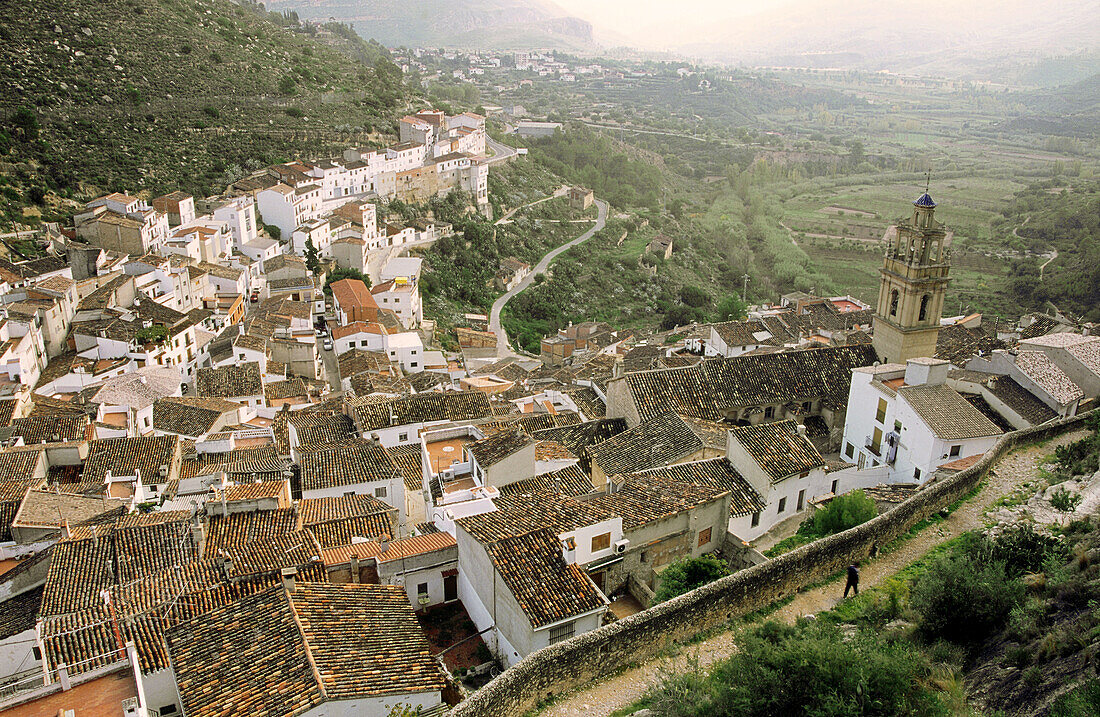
x=832, y=489
x=413, y=364
x=849, y=450
x=704, y=537
x=894, y=302
x=349, y=493
x=880, y=414
x=897, y=427
x=876, y=441
x=916, y=474
x=769, y=412
x=756, y=519
x=167, y=710
x=782, y=505
x=601, y=542
x=924, y=300
x=402, y=437
x=561, y=632
x=801, y=499
x=422, y=589
x=644, y=557
x=955, y=450
x=380, y=492
x=807, y=406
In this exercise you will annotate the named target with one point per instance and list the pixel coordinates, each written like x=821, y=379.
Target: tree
x=730, y=308
x=686, y=575
x=694, y=297
x=963, y=598
x=313, y=262
x=340, y=273
x=843, y=512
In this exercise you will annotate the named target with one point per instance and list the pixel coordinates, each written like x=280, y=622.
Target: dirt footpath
x=603, y=698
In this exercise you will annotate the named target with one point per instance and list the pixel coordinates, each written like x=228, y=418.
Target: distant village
x=219, y=483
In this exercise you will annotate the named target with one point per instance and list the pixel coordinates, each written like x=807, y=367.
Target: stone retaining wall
x=568, y=665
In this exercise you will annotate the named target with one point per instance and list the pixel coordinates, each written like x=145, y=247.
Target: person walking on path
x=853, y=579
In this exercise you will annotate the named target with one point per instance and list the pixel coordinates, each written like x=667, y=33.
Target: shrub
x=1081, y=701
x=962, y=599
x=808, y=670
x=1065, y=501
x=686, y=575
x=287, y=85
x=295, y=112
x=843, y=512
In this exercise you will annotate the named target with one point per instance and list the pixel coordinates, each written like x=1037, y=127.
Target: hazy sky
x=840, y=24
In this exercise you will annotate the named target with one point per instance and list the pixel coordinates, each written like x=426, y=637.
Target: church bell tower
x=912, y=286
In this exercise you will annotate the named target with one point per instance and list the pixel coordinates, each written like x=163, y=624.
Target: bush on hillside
x=806, y=670
x=964, y=597
x=686, y=575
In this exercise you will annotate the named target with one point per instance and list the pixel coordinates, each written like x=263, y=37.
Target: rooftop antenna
x=927, y=180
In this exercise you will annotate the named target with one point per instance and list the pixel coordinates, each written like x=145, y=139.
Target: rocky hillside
x=499, y=24
x=103, y=95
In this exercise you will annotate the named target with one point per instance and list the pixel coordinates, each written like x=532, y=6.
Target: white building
x=908, y=419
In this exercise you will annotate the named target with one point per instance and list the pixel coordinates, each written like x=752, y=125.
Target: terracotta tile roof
x=496, y=447
x=335, y=521
x=1020, y=400
x=359, y=360
x=1088, y=353
x=19, y=466
x=958, y=344
x=240, y=463
x=517, y=514
x=305, y=654
x=19, y=614
x=46, y=509
x=226, y=534
x=50, y=429
x=267, y=555
x=7, y=410
x=385, y=654
x=950, y=416
x=423, y=408
x=580, y=437
x=644, y=498
x=188, y=416
x=588, y=401
x=778, y=448
x=124, y=456
x=408, y=462
x=321, y=428
x=659, y=441
x=291, y=388
x=719, y=474
x=552, y=451
x=353, y=293
x=349, y=464
x=546, y=587
x=710, y=389
x=1038, y=367
x=230, y=381
x=571, y=481
x=247, y=657
x=252, y=491
x=97, y=557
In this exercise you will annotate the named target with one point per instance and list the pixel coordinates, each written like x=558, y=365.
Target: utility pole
x=744, y=287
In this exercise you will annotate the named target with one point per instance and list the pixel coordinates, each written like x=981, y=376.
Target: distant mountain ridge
x=503, y=24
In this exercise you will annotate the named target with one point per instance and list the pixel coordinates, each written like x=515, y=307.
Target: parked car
x=320, y=332
x=328, y=344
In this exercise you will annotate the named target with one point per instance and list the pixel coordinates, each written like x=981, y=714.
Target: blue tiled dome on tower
x=924, y=200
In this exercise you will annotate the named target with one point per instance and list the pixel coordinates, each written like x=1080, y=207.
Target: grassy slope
x=166, y=93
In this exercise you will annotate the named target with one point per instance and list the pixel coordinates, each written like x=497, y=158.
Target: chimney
x=618, y=370
x=355, y=568
x=383, y=542
x=801, y=429
x=198, y=537
x=290, y=576
x=65, y=532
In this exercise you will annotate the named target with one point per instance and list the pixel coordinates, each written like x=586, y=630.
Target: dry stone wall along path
x=604, y=697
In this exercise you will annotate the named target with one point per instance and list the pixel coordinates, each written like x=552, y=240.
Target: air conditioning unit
x=621, y=546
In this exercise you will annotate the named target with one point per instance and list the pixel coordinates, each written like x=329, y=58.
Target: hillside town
x=231, y=468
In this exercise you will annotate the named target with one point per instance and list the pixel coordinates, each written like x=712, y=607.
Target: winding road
x=503, y=349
